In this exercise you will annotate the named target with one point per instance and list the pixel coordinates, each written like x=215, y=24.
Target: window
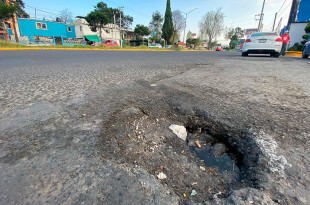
x=69, y=29
x=40, y=25
x=81, y=28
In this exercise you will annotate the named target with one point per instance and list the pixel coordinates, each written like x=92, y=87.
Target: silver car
x=263, y=43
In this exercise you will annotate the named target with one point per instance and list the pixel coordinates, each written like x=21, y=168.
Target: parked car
x=306, y=50
x=155, y=45
x=219, y=48
x=108, y=43
x=263, y=43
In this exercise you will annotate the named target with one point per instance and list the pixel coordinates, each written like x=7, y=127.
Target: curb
x=293, y=53
x=94, y=49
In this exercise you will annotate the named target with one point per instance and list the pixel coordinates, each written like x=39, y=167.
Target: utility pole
x=261, y=17
x=293, y=13
x=274, y=22
x=120, y=29
x=185, y=23
x=114, y=27
x=35, y=13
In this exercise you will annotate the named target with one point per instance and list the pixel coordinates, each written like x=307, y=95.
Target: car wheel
x=304, y=54
x=245, y=54
x=276, y=55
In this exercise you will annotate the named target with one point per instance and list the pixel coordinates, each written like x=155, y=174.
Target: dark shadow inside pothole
x=223, y=163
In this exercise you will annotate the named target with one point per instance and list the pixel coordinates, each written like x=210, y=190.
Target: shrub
x=296, y=47
x=307, y=28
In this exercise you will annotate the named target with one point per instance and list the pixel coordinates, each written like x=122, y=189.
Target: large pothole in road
x=213, y=160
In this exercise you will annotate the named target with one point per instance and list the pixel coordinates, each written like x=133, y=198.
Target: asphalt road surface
x=92, y=127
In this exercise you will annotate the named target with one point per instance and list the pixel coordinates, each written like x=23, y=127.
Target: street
x=92, y=127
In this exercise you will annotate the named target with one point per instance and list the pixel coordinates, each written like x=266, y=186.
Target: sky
x=239, y=13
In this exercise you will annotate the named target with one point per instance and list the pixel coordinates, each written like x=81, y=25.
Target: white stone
x=180, y=131
x=161, y=176
x=202, y=168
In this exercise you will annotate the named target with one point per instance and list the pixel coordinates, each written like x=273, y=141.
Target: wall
x=297, y=30
x=28, y=28
x=112, y=34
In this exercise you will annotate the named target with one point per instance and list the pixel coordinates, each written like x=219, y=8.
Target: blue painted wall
x=28, y=28
x=10, y=31
x=304, y=11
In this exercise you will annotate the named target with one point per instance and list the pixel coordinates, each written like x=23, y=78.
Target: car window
x=263, y=34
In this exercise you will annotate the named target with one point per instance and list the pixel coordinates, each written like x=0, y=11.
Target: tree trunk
x=4, y=31
x=100, y=33
x=15, y=31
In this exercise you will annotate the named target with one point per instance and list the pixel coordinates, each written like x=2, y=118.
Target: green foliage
x=156, y=24
x=306, y=36
x=307, y=28
x=141, y=30
x=235, y=33
x=193, y=42
x=96, y=21
x=167, y=30
x=155, y=39
x=6, y=44
x=7, y=11
x=19, y=8
x=296, y=47
x=103, y=15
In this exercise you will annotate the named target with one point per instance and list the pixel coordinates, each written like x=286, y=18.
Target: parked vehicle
x=108, y=43
x=263, y=43
x=155, y=45
x=218, y=48
x=306, y=50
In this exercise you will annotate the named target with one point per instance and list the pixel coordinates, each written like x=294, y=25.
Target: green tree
x=103, y=15
x=97, y=20
x=193, y=42
x=141, y=30
x=6, y=13
x=167, y=30
x=234, y=35
x=20, y=5
x=155, y=26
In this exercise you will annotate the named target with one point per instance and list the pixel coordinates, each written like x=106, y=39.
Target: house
x=5, y=33
x=83, y=31
x=35, y=31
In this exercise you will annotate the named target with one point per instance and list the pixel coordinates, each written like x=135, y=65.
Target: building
x=83, y=31
x=299, y=17
x=5, y=33
x=34, y=31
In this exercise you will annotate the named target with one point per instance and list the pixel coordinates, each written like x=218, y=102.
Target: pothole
x=225, y=158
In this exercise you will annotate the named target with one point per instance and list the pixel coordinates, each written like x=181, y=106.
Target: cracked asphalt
x=57, y=105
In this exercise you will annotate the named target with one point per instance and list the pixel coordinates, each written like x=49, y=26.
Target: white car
x=263, y=43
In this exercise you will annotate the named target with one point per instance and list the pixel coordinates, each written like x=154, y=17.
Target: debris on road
x=198, y=144
x=161, y=176
x=202, y=168
x=194, y=193
x=180, y=131
x=153, y=85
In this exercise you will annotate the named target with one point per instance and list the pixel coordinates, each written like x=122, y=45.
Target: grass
x=6, y=44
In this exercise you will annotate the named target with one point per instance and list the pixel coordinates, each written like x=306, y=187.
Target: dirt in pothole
x=134, y=137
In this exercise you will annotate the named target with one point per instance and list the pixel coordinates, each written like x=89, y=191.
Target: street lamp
x=185, y=22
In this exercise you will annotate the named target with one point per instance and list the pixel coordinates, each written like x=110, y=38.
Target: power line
x=281, y=6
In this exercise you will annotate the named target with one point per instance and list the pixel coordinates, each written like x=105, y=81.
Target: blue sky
x=237, y=12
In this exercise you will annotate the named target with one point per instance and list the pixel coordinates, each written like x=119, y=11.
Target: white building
x=110, y=32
